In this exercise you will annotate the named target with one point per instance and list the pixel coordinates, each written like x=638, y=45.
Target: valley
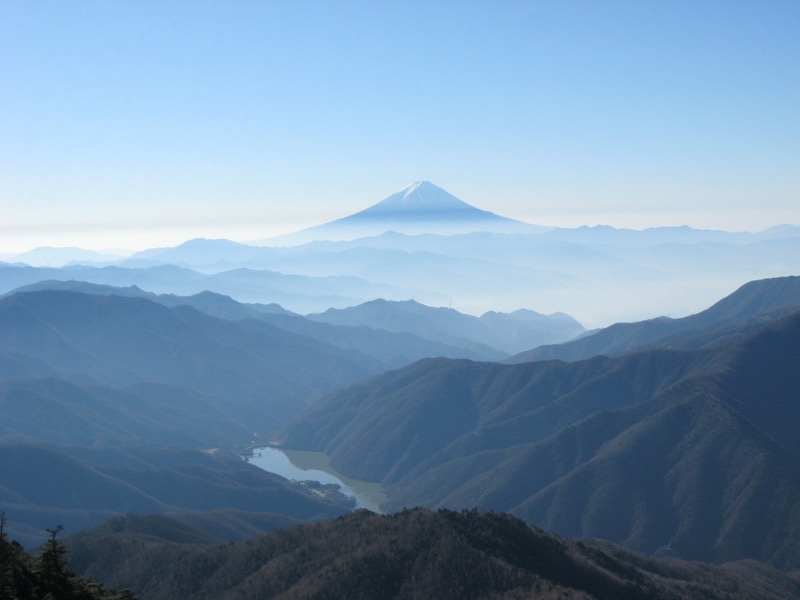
x=399, y=300
x=132, y=394
x=314, y=467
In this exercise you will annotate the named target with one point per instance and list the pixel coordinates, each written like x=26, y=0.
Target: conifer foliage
x=46, y=576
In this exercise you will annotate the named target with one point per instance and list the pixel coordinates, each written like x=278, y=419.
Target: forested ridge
x=684, y=446
x=415, y=553
x=669, y=451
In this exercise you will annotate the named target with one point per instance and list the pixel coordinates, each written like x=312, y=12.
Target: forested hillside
x=686, y=446
x=265, y=375
x=413, y=554
x=80, y=486
x=692, y=453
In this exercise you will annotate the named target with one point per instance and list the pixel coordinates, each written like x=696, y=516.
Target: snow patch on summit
x=421, y=196
x=419, y=208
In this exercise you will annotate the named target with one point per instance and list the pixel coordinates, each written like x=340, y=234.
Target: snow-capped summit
x=418, y=208
x=419, y=200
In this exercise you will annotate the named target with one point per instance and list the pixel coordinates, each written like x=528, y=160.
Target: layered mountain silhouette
x=672, y=437
x=90, y=365
x=383, y=334
x=507, y=332
x=421, y=207
x=264, y=374
x=137, y=387
x=263, y=286
x=599, y=275
x=98, y=391
x=747, y=308
x=687, y=452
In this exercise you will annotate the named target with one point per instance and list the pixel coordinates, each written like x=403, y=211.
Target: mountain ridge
x=754, y=300
x=505, y=331
x=678, y=270
x=266, y=373
x=665, y=450
x=412, y=554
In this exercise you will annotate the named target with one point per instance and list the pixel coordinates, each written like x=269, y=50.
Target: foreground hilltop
x=412, y=554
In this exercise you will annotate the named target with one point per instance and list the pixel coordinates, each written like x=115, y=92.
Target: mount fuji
x=419, y=208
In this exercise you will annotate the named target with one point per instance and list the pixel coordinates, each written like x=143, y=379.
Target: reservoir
x=314, y=466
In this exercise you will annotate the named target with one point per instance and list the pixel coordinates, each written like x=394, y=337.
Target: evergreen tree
x=16, y=569
x=53, y=577
x=47, y=577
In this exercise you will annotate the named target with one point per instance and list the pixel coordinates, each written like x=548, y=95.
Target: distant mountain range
x=246, y=285
x=507, y=332
x=135, y=385
x=687, y=452
x=387, y=332
x=598, y=275
x=264, y=374
x=744, y=310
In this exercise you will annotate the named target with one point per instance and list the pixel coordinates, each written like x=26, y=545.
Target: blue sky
x=137, y=124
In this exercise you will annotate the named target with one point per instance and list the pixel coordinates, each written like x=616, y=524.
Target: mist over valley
x=639, y=389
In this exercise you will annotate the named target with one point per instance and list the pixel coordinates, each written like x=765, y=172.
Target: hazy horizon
x=174, y=234
x=134, y=125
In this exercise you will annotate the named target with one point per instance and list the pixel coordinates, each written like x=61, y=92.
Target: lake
x=314, y=466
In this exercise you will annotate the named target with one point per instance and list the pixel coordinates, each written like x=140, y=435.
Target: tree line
x=45, y=576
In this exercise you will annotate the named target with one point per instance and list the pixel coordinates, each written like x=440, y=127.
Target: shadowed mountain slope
x=300, y=292
x=374, y=347
x=412, y=554
x=55, y=411
x=745, y=309
x=42, y=487
x=689, y=453
x=111, y=371
x=266, y=374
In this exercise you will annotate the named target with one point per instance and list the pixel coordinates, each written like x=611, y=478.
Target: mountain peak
x=414, y=185
x=423, y=197
x=419, y=208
